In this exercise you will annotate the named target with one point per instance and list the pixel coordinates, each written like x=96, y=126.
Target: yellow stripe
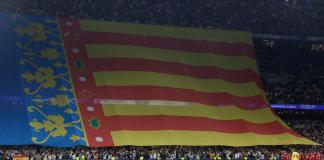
x=199, y=138
x=198, y=59
x=193, y=110
x=138, y=78
x=167, y=31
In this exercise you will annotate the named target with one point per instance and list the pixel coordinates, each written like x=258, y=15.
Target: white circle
x=68, y=23
x=75, y=50
x=82, y=79
x=99, y=139
x=90, y=109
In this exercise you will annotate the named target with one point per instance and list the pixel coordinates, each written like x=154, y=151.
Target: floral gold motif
x=43, y=76
x=35, y=30
x=47, y=83
x=54, y=125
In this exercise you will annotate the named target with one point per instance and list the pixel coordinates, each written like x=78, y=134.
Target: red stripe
x=149, y=123
x=176, y=94
x=201, y=46
x=71, y=41
x=130, y=64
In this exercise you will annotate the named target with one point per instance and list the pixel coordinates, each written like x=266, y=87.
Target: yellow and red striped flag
x=20, y=157
x=145, y=85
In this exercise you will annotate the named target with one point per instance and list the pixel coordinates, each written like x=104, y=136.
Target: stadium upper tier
x=293, y=17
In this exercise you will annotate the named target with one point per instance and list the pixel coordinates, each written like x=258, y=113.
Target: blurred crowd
x=292, y=72
x=292, y=90
x=284, y=17
x=314, y=130
x=163, y=153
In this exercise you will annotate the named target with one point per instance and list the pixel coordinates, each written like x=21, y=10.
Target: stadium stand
x=166, y=152
x=285, y=17
x=292, y=71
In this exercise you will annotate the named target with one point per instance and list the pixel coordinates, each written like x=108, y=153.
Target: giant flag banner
x=67, y=82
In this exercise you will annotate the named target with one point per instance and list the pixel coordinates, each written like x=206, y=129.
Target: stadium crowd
x=162, y=153
x=295, y=91
x=284, y=17
x=314, y=130
x=292, y=73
